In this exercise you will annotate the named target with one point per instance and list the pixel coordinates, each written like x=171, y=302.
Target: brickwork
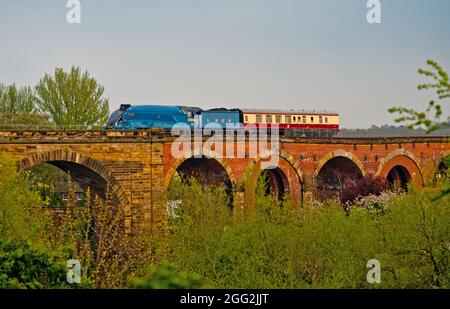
x=138, y=166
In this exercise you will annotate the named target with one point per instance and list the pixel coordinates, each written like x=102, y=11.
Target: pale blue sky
x=311, y=54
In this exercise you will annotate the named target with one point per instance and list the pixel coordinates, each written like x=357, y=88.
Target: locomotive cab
x=116, y=116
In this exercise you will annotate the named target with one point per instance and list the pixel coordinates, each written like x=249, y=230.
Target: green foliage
x=168, y=277
x=21, y=213
x=15, y=100
x=51, y=182
x=22, y=266
x=18, y=107
x=275, y=246
x=92, y=231
x=207, y=244
x=72, y=99
x=25, y=261
x=440, y=83
x=444, y=176
x=25, y=121
x=416, y=244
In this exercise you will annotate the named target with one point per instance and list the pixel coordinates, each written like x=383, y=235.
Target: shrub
x=275, y=246
x=168, y=277
x=22, y=266
x=21, y=213
x=354, y=188
x=415, y=234
x=272, y=245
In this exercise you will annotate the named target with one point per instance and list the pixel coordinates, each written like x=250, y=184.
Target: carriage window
x=207, y=119
x=246, y=119
x=304, y=119
x=216, y=120
x=312, y=119
x=258, y=118
x=229, y=119
x=269, y=118
x=278, y=118
x=223, y=120
x=294, y=118
x=288, y=119
x=320, y=119
x=326, y=119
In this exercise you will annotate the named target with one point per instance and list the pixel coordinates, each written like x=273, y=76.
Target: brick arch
x=445, y=154
x=335, y=154
x=404, y=158
x=435, y=167
x=190, y=154
x=295, y=184
x=286, y=156
x=78, y=158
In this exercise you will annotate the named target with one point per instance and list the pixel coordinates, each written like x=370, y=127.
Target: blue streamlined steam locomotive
x=137, y=117
x=292, y=123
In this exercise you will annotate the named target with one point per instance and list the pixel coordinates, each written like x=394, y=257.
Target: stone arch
x=191, y=154
x=86, y=162
x=404, y=159
x=295, y=182
x=335, y=154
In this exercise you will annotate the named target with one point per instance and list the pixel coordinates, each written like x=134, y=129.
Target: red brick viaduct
x=139, y=165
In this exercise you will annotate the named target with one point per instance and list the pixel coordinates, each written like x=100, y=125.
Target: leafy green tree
x=72, y=99
x=18, y=108
x=440, y=84
x=14, y=100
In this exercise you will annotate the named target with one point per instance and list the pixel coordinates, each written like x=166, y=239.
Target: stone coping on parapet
x=145, y=136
